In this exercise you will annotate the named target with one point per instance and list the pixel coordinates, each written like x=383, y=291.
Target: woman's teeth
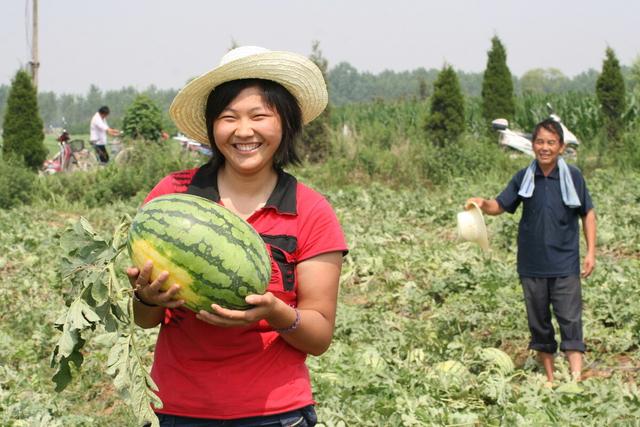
x=246, y=147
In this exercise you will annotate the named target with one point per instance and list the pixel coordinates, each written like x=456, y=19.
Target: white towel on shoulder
x=568, y=190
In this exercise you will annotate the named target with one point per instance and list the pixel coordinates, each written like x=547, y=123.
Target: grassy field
x=412, y=297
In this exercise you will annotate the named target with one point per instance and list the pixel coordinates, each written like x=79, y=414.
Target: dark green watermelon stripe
x=199, y=280
x=225, y=230
x=256, y=258
x=143, y=232
x=146, y=233
x=199, y=205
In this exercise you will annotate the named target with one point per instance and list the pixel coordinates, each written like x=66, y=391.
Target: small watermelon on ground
x=452, y=375
x=213, y=254
x=497, y=360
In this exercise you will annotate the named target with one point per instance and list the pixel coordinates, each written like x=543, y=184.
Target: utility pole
x=35, y=64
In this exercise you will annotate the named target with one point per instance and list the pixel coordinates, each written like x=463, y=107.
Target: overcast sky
x=138, y=43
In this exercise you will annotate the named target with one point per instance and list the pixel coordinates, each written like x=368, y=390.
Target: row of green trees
x=23, y=135
x=446, y=120
x=346, y=85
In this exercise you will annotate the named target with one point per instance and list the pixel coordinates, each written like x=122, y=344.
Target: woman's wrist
x=293, y=326
x=287, y=318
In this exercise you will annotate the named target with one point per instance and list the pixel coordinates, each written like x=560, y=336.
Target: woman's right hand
x=151, y=293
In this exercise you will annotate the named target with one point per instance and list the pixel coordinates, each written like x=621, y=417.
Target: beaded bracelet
x=293, y=326
x=137, y=298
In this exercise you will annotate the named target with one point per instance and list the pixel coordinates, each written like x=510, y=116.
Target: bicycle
x=71, y=156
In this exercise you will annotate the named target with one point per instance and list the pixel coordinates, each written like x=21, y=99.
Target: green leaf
x=99, y=292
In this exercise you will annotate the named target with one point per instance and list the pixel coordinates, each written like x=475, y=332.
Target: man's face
x=547, y=147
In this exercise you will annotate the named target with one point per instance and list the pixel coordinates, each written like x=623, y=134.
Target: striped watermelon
x=213, y=254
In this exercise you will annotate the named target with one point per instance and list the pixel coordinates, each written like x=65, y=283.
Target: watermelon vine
x=98, y=299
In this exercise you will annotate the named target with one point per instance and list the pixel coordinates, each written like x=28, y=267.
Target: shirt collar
x=555, y=173
x=282, y=199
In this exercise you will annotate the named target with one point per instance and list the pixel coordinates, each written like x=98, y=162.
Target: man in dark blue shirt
x=554, y=196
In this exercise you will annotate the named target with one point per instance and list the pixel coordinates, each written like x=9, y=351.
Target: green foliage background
x=413, y=298
x=315, y=143
x=346, y=84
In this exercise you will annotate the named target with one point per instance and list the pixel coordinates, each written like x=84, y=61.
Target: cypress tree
x=497, y=85
x=22, y=128
x=316, y=142
x=445, y=122
x=611, y=95
x=423, y=89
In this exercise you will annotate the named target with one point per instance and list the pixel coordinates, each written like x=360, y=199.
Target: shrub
x=143, y=120
x=17, y=183
x=468, y=158
x=145, y=165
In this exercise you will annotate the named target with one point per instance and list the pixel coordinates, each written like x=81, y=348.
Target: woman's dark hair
x=551, y=126
x=276, y=97
x=104, y=110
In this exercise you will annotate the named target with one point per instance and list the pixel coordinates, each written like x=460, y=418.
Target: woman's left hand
x=264, y=306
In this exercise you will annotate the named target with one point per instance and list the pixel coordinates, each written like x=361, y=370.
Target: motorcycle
x=191, y=145
x=521, y=141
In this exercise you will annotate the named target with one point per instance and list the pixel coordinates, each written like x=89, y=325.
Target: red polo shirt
x=204, y=371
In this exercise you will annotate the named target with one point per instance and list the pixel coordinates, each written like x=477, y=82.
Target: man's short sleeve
x=320, y=232
x=509, y=199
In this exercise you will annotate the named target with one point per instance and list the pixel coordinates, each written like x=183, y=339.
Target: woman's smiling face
x=248, y=132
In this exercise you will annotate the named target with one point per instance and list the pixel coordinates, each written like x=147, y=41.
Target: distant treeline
x=346, y=85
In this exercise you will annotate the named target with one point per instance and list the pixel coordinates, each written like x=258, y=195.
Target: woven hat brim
x=298, y=74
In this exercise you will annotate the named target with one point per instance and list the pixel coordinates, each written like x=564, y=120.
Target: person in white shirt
x=98, y=133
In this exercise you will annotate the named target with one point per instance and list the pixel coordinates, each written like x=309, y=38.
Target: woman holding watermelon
x=247, y=368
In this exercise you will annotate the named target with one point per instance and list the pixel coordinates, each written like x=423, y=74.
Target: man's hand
x=490, y=207
x=479, y=201
x=588, y=265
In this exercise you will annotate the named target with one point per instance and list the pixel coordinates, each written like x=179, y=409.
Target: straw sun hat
x=471, y=227
x=299, y=75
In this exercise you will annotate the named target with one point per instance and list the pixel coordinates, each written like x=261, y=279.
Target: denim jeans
x=303, y=417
